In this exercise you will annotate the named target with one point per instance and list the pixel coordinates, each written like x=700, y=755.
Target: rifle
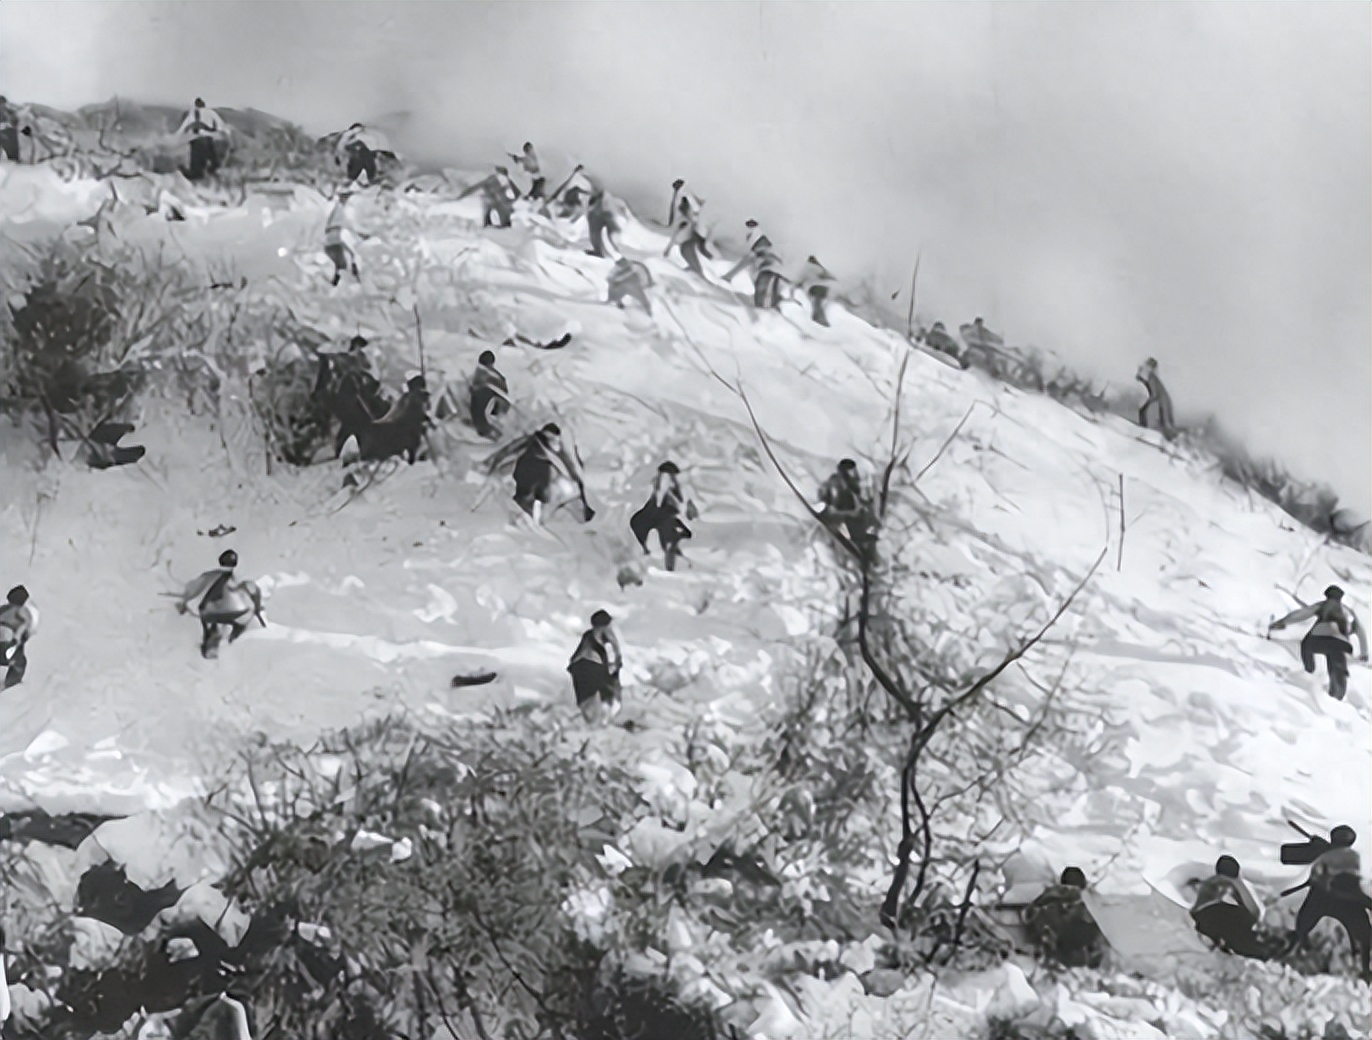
x=589, y=513
x=543, y=209
x=1305, y=852
x=419, y=336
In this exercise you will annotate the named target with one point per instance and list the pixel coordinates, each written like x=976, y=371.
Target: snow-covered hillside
x=1206, y=737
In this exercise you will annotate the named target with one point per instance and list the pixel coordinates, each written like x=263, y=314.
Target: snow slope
x=1210, y=735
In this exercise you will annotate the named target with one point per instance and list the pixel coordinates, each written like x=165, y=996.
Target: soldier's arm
x=197, y=587
x=1303, y=614
x=1360, y=634
x=744, y=262
x=1246, y=897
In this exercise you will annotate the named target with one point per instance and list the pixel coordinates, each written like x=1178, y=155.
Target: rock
x=28, y=1006
x=95, y=944
x=882, y=982
x=365, y=841
x=861, y=958
x=797, y=812
x=719, y=891
x=775, y=1020
x=679, y=935
x=1014, y=997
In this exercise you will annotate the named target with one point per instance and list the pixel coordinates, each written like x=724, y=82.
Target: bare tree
x=924, y=701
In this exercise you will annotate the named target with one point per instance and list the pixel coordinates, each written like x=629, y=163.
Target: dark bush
x=65, y=349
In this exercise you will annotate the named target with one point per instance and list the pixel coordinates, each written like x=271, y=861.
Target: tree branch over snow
x=925, y=725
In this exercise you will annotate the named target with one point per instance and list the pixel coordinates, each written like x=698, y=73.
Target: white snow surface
x=1219, y=736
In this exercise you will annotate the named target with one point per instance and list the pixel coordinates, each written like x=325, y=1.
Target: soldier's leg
x=692, y=257
x=1308, y=655
x=1337, y=664
x=18, y=665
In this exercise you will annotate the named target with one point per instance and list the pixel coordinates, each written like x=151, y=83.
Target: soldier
x=662, y=513
x=630, y=278
x=686, y=234
x=814, y=280
x=9, y=130
x=1336, y=891
x=497, y=195
x=603, y=225
x=336, y=234
x=1156, y=412
x=202, y=124
x=546, y=475
x=360, y=157
x=18, y=623
x=595, y=667
x=1226, y=913
x=765, y=266
x=490, y=396
x=1329, y=638
x=845, y=506
x=527, y=161
x=1061, y=924
x=225, y=602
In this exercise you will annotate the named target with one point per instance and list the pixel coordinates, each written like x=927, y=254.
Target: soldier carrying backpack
x=1334, y=626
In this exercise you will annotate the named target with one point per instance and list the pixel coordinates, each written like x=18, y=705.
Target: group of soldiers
x=1224, y=910
x=548, y=475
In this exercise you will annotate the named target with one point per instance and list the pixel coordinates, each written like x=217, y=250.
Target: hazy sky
x=1188, y=181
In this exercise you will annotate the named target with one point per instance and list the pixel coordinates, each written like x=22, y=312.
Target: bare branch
x=1019, y=651
x=1119, y=560
x=944, y=447
x=894, y=460
x=910, y=314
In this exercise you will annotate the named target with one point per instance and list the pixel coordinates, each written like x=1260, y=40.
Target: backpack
x=10, y=622
x=1331, y=612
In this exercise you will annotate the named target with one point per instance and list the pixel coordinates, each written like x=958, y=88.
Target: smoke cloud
x=1111, y=181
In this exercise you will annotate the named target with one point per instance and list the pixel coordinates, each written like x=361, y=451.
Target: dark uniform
x=663, y=513
x=1063, y=927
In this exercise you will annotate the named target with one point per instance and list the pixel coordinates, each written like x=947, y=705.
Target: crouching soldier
x=594, y=668
x=546, y=477
x=846, y=508
x=630, y=278
x=1226, y=913
x=490, y=396
x=498, y=194
x=1335, y=890
x=1062, y=926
